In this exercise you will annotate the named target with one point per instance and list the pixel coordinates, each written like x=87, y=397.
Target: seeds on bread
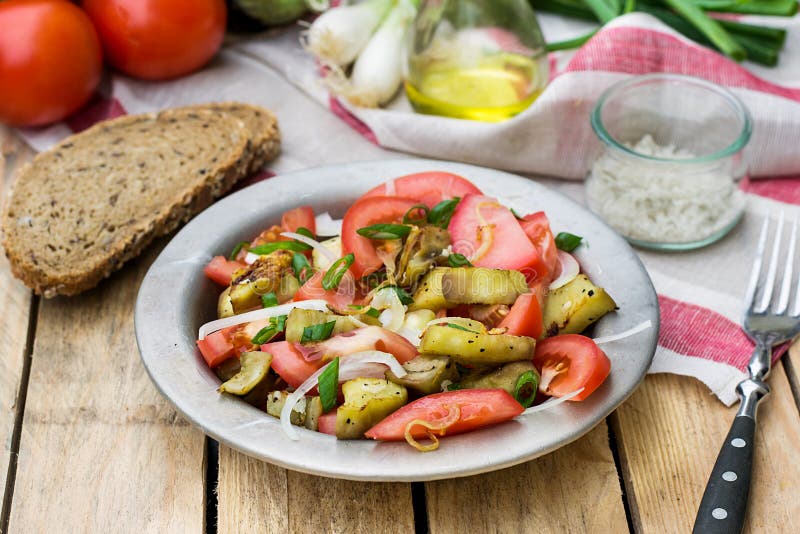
x=80, y=210
x=263, y=127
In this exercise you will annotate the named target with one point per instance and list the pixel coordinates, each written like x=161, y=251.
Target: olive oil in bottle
x=497, y=87
x=475, y=59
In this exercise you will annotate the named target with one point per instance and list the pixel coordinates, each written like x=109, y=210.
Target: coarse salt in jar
x=669, y=172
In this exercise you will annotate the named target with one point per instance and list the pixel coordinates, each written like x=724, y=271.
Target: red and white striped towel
x=700, y=292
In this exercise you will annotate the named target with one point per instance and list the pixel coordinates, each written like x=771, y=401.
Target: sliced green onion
x=306, y=232
x=355, y=306
x=527, y=378
x=440, y=214
x=269, y=300
x=459, y=327
x=317, y=332
x=405, y=298
x=265, y=335
x=372, y=312
x=420, y=208
x=458, y=260
x=567, y=242
x=336, y=271
x=385, y=231
x=237, y=249
x=269, y=248
x=302, y=269
x=328, y=385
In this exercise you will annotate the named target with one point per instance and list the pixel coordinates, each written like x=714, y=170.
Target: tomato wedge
x=338, y=298
x=489, y=235
x=476, y=408
x=300, y=217
x=327, y=423
x=524, y=318
x=217, y=346
x=220, y=269
x=289, y=363
x=366, y=212
x=570, y=362
x=366, y=338
x=537, y=228
x=427, y=188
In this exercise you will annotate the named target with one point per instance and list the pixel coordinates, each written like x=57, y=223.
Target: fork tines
x=782, y=267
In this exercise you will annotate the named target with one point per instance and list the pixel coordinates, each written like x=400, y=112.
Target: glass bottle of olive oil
x=476, y=59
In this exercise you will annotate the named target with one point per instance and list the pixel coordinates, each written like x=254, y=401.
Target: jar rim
x=733, y=101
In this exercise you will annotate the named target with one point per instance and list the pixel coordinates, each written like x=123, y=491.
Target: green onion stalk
x=692, y=18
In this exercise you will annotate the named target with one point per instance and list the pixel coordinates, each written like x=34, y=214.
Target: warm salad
x=430, y=309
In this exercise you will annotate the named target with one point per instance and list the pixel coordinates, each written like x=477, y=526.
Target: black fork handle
x=724, y=505
x=723, y=508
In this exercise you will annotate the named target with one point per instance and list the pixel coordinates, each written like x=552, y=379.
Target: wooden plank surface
x=574, y=489
x=101, y=450
x=15, y=303
x=793, y=370
x=669, y=434
x=255, y=496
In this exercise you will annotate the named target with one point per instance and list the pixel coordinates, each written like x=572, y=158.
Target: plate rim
x=331, y=470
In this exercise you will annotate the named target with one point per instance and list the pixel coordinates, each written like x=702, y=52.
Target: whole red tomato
x=158, y=39
x=50, y=61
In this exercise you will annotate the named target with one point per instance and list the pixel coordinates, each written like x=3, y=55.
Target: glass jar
x=476, y=59
x=668, y=174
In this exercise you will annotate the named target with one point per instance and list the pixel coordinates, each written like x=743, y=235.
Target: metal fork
x=768, y=320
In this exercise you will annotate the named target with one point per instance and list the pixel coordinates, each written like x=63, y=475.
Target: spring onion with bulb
x=372, y=37
x=337, y=36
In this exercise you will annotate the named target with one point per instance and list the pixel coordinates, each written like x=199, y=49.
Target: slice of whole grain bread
x=263, y=127
x=78, y=211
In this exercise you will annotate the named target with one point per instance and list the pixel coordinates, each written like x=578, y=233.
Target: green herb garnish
x=405, y=298
x=238, y=248
x=527, y=381
x=302, y=269
x=268, y=333
x=440, y=214
x=328, y=385
x=459, y=327
x=269, y=248
x=458, y=260
x=317, y=332
x=269, y=300
x=336, y=271
x=306, y=232
x=423, y=212
x=385, y=231
x=567, y=242
x=372, y=312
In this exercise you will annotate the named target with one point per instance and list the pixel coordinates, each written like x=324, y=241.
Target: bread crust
x=263, y=126
x=48, y=279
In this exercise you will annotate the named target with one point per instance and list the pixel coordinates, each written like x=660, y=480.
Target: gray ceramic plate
x=175, y=299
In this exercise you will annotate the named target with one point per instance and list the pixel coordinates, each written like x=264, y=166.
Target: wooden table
x=90, y=446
